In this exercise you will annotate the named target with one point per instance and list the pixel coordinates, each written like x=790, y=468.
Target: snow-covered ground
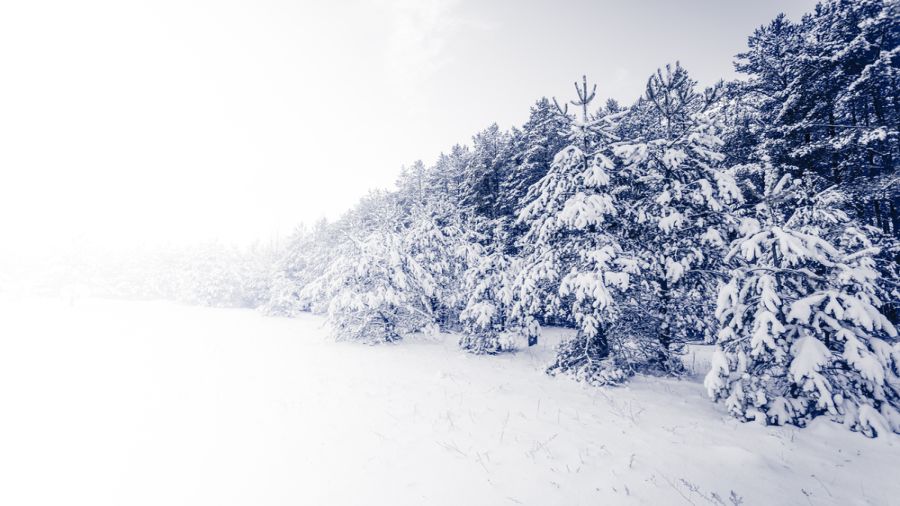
x=155, y=403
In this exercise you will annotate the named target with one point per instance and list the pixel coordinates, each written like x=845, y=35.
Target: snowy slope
x=153, y=403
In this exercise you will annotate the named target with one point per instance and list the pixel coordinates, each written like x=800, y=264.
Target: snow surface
x=155, y=403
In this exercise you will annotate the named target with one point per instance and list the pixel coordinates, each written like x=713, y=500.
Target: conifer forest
x=691, y=298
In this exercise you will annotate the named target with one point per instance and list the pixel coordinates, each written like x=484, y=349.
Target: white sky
x=125, y=122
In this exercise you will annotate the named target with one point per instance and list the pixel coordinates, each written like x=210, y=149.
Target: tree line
x=760, y=215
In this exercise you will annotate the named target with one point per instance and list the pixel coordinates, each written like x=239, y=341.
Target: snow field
x=155, y=403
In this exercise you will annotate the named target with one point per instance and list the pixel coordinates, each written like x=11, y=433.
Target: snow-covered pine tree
x=489, y=158
x=438, y=241
x=375, y=291
x=571, y=263
x=541, y=137
x=824, y=92
x=305, y=258
x=825, y=88
x=446, y=177
x=800, y=332
x=487, y=324
x=413, y=191
x=676, y=195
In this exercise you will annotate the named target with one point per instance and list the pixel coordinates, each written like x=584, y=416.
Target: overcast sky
x=172, y=121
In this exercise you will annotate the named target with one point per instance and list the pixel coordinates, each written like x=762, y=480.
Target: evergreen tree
x=375, y=290
x=677, y=195
x=447, y=175
x=490, y=157
x=413, y=190
x=801, y=335
x=541, y=137
x=438, y=241
x=569, y=257
x=827, y=91
x=487, y=323
x=304, y=259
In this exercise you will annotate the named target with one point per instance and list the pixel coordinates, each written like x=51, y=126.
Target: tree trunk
x=895, y=220
x=876, y=206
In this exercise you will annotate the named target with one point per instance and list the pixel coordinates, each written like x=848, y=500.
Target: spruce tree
x=572, y=265
x=487, y=323
x=540, y=138
x=375, y=290
x=800, y=333
x=677, y=196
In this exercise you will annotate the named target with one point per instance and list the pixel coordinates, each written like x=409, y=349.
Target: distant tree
x=305, y=258
x=490, y=157
x=447, y=175
x=541, y=137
